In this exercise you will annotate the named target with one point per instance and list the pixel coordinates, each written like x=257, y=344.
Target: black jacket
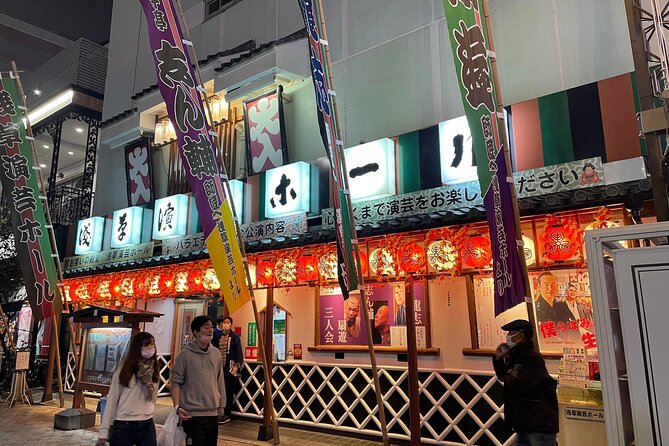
x=235, y=353
x=530, y=398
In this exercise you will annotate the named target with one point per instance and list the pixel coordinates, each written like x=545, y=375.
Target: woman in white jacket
x=128, y=417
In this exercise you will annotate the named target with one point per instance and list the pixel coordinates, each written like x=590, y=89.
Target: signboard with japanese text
x=105, y=348
x=371, y=169
x=141, y=251
x=138, y=172
x=277, y=227
x=467, y=29
x=90, y=234
x=252, y=334
x=563, y=309
x=185, y=244
x=22, y=361
x=19, y=183
x=347, y=272
x=127, y=227
x=488, y=327
x=458, y=161
x=583, y=413
x=463, y=195
x=340, y=320
x=237, y=189
x=170, y=217
x=559, y=177
x=195, y=139
x=287, y=190
x=266, y=146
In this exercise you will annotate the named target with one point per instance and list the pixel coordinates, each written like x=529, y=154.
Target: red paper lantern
x=115, y=287
x=196, y=281
x=307, y=268
x=364, y=263
x=265, y=273
x=476, y=252
x=558, y=247
x=411, y=258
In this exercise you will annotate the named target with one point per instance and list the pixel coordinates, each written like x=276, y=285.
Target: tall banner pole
x=348, y=251
x=474, y=59
x=189, y=111
x=412, y=362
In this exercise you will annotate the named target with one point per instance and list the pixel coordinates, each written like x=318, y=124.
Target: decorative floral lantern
x=476, y=252
x=382, y=262
x=307, y=268
x=285, y=271
x=166, y=285
x=181, y=282
x=411, y=258
x=364, y=261
x=327, y=266
x=265, y=273
x=113, y=287
x=127, y=289
x=558, y=246
x=252, y=274
x=530, y=251
x=442, y=255
x=196, y=280
x=152, y=284
x=210, y=280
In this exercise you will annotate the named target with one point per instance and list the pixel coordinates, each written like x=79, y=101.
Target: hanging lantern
x=476, y=252
x=307, y=268
x=364, y=261
x=127, y=287
x=81, y=293
x=382, y=262
x=139, y=287
x=285, y=271
x=195, y=280
x=530, y=251
x=411, y=258
x=442, y=255
x=327, y=266
x=252, y=274
x=265, y=273
x=113, y=286
x=181, y=282
x=166, y=282
x=557, y=245
x=210, y=280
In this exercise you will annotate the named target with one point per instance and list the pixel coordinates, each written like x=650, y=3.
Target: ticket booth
x=105, y=337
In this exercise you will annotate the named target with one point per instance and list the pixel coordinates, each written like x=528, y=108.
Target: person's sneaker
x=224, y=419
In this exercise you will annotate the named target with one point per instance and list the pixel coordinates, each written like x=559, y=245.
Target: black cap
x=520, y=325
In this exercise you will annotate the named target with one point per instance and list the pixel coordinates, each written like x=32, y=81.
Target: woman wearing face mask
x=198, y=385
x=230, y=346
x=530, y=399
x=132, y=397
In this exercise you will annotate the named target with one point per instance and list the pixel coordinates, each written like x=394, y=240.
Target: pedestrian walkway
x=24, y=425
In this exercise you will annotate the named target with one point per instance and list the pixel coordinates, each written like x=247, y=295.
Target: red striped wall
x=528, y=150
x=621, y=134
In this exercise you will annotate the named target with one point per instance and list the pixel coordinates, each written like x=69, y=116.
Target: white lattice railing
x=163, y=363
x=458, y=408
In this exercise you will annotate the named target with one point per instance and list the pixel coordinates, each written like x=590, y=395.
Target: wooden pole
x=412, y=363
x=228, y=193
x=54, y=250
x=269, y=356
x=354, y=236
x=512, y=186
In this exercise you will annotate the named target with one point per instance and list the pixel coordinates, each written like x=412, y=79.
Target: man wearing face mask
x=230, y=346
x=198, y=385
x=530, y=400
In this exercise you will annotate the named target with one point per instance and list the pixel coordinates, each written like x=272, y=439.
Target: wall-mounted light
x=58, y=103
x=164, y=132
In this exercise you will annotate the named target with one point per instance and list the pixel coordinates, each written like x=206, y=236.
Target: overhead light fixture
x=70, y=153
x=58, y=103
x=42, y=165
x=37, y=92
x=79, y=130
x=46, y=146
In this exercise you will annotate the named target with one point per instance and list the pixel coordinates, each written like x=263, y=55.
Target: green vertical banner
x=19, y=181
x=469, y=39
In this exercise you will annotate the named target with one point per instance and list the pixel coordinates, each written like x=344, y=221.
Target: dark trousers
x=132, y=433
x=201, y=431
x=231, y=388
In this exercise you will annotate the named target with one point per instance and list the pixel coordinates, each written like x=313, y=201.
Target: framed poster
x=340, y=321
x=105, y=348
x=139, y=179
x=266, y=146
x=22, y=361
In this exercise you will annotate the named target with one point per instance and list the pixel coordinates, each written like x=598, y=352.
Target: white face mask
x=206, y=339
x=510, y=342
x=148, y=352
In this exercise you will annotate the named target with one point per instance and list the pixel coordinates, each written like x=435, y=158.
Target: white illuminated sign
x=170, y=217
x=455, y=151
x=287, y=190
x=371, y=169
x=237, y=190
x=127, y=227
x=90, y=233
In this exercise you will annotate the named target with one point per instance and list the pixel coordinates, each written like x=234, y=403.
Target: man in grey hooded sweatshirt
x=198, y=385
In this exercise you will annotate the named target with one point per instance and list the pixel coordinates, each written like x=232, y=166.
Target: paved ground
x=24, y=426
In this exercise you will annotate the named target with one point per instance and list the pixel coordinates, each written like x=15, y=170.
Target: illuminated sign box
x=287, y=190
x=170, y=217
x=455, y=152
x=90, y=233
x=127, y=227
x=371, y=169
x=237, y=189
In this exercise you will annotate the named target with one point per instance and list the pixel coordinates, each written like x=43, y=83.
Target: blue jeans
x=535, y=439
x=132, y=433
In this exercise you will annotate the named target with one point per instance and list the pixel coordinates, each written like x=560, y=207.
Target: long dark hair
x=130, y=365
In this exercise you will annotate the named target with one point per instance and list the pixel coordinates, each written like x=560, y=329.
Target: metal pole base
x=265, y=432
